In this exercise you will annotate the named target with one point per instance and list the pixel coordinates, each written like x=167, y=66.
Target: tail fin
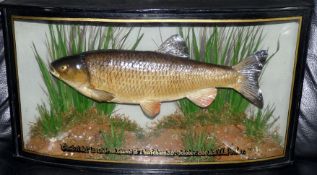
x=250, y=70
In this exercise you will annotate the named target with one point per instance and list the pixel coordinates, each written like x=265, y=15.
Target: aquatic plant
x=49, y=125
x=114, y=138
x=194, y=140
x=259, y=125
x=227, y=46
x=223, y=46
x=63, y=40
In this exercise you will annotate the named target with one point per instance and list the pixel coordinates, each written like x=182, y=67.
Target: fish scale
x=152, y=75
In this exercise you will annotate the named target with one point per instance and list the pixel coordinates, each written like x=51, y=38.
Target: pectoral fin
x=203, y=97
x=100, y=95
x=151, y=108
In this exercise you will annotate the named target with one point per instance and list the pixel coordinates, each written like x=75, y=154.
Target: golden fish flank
x=148, y=78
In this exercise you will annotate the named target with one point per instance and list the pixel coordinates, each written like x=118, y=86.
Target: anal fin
x=203, y=97
x=151, y=108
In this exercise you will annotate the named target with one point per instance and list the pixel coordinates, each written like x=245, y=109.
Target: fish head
x=70, y=69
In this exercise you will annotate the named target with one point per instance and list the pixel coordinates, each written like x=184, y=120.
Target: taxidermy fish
x=151, y=77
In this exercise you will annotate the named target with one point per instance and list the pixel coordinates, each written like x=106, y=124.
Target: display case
x=160, y=86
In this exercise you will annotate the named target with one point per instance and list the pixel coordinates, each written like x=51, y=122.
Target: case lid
x=159, y=5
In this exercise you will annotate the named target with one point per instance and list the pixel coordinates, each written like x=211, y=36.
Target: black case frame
x=154, y=10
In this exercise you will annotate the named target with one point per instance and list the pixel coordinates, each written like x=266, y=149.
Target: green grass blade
x=226, y=46
x=64, y=40
x=139, y=38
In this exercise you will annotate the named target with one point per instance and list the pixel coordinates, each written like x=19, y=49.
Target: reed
x=115, y=138
x=258, y=126
x=64, y=40
x=198, y=141
x=49, y=125
x=223, y=46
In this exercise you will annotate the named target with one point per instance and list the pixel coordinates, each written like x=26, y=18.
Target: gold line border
x=109, y=20
x=193, y=21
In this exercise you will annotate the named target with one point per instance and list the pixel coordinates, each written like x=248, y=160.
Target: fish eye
x=64, y=67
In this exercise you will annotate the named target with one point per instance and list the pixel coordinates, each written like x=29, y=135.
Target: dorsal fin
x=174, y=45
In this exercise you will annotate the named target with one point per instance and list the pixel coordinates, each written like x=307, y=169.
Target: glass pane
x=163, y=93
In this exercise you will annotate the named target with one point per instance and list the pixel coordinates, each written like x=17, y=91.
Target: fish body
x=135, y=76
x=151, y=77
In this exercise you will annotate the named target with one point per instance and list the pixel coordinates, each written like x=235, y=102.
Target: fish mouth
x=53, y=71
